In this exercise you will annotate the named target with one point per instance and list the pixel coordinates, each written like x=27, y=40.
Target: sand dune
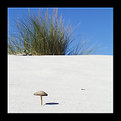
x=75, y=84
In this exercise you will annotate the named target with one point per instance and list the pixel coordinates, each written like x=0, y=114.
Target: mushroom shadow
x=51, y=103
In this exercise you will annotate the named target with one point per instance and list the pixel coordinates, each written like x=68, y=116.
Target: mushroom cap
x=40, y=93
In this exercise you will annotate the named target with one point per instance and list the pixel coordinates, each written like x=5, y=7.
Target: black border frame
x=115, y=4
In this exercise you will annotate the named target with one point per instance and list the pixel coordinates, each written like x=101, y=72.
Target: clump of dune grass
x=46, y=35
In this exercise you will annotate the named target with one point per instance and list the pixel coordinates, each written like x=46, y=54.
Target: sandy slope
x=63, y=78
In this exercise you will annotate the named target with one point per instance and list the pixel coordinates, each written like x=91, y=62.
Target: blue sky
x=92, y=24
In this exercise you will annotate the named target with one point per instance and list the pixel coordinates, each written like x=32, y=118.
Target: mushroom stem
x=41, y=100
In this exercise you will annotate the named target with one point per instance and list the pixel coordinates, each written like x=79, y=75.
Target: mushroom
x=40, y=93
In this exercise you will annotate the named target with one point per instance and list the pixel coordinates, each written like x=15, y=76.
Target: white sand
x=62, y=77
